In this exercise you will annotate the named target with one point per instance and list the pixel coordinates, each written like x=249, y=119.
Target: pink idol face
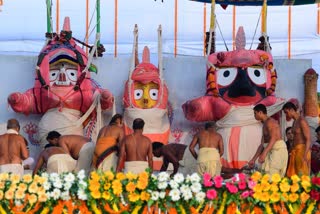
x=63, y=74
x=242, y=86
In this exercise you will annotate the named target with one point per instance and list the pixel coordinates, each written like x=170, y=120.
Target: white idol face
x=63, y=74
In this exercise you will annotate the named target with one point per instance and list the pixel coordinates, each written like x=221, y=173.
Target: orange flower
x=94, y=176
x=256, y=176
x=106, y=186
x=304, y=197
x=285, y=196
x=2, y=184
x=264, y=197
x=294, y=187
x=94, y=185
x=33, y=188
x=106, y=195
x=284, y=187
x=275, y=197
x=130, y=187
x=1, y=194
x=131, y=176
x=22, y=187
x=142, y=184
x=274, y=187
x=295, y=178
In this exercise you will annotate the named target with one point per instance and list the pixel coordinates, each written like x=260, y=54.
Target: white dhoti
x=135, y=166
x=85, y=157
x=60, y=163
x=188, y=164
x=209, y=161
x=14, y=168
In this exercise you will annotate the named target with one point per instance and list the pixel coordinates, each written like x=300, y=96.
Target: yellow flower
x=27, y=178
x=265, y=197
x=2, y=184
x=130, y=187
x=94, y=185
x=120, y=176
x=284, y=196
x=133, y=197
x=284, y=187
x=275, y=197
x=265, y=178
x=32, y=198
x=15, y=178
x=19, y=194
x=305, y=178
x=106, y=186
x=117, y=187
x=265, y=187
x=4, y=176
x=9, y=194
x=294, y=187
x=293, y=197
x=109, y=175
x=145, y=196
x=257, y=188
x=257, y=195
x=33, y=188
x=304, y=197
x=106, y=195
x=295, y=178
x=1, y=194
x=256, y=176
x=94, y=176
x=306, y=185
x=144, y=175
x=42, y=197
x=22, y=187
x=275, y=178
x=274, y=187
x=142, y=184
x=96, y=194
x=131, y=176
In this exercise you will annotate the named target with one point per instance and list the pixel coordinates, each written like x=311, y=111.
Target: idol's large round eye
x=225, y=76
x=154, y=94
x=138, y=94
x=257, y=75
x=53, y=74
x=72, y=74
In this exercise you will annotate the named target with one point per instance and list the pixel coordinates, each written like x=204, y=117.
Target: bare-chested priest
x=79, y=147
x=272, y=152
x=136, y=150
x=13, y=149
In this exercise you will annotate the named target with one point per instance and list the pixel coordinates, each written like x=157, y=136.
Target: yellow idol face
x=146, y=95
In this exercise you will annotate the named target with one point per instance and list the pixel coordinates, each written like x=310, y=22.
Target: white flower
x=55, y=194
x=17, y=202
x=196, y=187
x=154, y=177
x=154, y=195
x=162, y=195
x=81, y=194
x=163, y=176
x=45, y=175
x=188, y=179
x=69, y=178
x=162, y=185
x=195, y=178
x=54, y=176
x=200, y=196
x=187, y=195
x=174, y=184
x=82, y=184
x=65, y=196
x=57, y=183
x=174, y=194
x=184, y=188
x=81, y=174
x=67, y=186
x=46, y=185
x=179, y=178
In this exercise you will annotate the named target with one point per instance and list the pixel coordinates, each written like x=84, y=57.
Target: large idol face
x=63, y=74
x=245, y=85
x=146, y=95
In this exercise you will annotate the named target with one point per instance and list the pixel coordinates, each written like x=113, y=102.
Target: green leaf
x=93, y=68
